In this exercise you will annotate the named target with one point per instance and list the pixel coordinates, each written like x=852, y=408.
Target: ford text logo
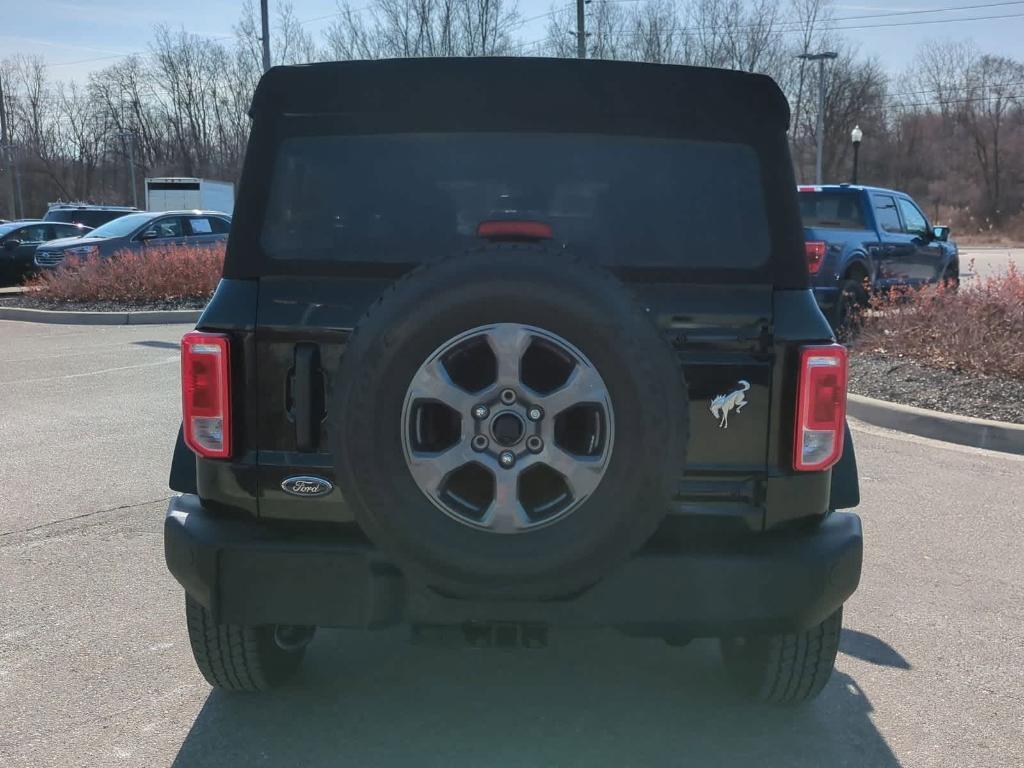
x=306, y=486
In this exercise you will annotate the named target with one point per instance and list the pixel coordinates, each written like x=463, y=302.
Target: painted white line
x=165, y=361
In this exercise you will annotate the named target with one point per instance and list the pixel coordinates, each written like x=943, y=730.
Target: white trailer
x=177, y=193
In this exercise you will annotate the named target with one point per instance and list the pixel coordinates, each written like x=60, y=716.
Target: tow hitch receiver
x=482, y=634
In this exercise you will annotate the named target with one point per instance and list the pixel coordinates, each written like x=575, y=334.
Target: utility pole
x=821, y=58
x=265, y=23
x=17, y=181
x=581, y=31
x=5, y=146
x=129, y=138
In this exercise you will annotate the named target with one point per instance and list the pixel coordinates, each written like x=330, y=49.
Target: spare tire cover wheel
x=508, y=424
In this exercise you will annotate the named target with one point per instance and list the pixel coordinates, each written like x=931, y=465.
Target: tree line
x=949, y=129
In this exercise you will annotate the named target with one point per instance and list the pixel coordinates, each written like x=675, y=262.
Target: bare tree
x=654, y=33
x=484, y=27
x=405, y=28
x=950, y=130
x=979, y=95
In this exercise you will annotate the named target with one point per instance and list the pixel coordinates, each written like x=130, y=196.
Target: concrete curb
x=73, y=317
x=964, y=430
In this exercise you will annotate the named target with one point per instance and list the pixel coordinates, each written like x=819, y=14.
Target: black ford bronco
x=503, y=345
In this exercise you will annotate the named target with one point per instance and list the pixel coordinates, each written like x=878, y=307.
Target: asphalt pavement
x=95, y=668
x=988, y=261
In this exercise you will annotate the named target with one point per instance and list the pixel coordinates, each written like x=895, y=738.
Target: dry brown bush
x=979, y=327
x=154, y=274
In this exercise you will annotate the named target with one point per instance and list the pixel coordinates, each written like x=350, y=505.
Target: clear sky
x=78, y=36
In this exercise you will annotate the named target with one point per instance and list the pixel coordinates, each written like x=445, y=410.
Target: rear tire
x=236, y=657
x=852, y=300
x=951, y=279
x=784, y=669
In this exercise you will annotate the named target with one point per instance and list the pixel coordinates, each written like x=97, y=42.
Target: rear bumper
x=247, y=572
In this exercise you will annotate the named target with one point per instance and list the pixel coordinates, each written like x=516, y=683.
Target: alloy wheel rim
x=507, y=428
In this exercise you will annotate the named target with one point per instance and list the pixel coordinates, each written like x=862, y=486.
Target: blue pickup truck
x=860, y=239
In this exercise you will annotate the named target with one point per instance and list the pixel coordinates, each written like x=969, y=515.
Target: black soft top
x=532, y=93
x=520, y=94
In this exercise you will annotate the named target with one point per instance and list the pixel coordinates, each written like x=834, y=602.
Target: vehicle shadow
x=871, y=649
x=158, y=344
x=589, y=699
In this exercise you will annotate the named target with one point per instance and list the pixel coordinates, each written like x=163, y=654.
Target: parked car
x=461, y=375
x=860, y=239
x=136, y=231
x=20, y=239
x=83, y=213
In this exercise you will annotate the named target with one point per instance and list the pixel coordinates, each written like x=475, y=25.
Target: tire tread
x=235, y=657
x=786, y=669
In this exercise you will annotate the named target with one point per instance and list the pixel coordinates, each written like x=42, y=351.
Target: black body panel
x=845, y=491
x=254, y=573
x=723, y=334
x=183, y=467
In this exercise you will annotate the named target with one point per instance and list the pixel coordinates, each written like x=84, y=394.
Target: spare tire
x=508, y=423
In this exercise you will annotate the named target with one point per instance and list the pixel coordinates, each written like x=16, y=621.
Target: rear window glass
x=832, y=210
x=407, y=198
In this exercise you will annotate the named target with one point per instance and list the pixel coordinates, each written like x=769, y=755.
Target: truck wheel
x=236, y=657
x=784, y=669
x=852, y=300
x=951, y=279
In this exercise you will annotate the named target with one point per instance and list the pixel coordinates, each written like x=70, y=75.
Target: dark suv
x=87, y=214
x=20, y=239
x=511, y=344
x=135, y=233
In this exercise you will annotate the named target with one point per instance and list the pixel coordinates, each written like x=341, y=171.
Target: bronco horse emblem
x=733, y=401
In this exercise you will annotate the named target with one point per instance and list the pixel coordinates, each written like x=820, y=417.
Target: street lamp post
x=821, y=58
x=856, y=135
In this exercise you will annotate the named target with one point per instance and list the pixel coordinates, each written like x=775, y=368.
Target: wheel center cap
x=507, y=428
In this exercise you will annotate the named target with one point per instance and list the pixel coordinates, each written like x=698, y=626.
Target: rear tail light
x=815, y=255
x=517, y=229
x=206, y=393
x=820, y=408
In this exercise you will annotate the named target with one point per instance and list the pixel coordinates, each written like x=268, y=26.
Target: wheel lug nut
x=534, y=444
x=507, y=459
x=481, y=411
x=508, y=396
x=536, y=413
x=479, y=443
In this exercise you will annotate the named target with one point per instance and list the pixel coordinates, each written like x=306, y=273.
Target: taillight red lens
x=815, y=255
x=206, y=393
x=514, y=230
x=820, y=408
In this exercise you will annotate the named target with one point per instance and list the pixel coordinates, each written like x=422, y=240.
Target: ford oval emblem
x=307, y=486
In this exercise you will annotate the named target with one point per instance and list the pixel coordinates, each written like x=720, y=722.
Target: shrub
x=977, y=328
x=152, y=274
